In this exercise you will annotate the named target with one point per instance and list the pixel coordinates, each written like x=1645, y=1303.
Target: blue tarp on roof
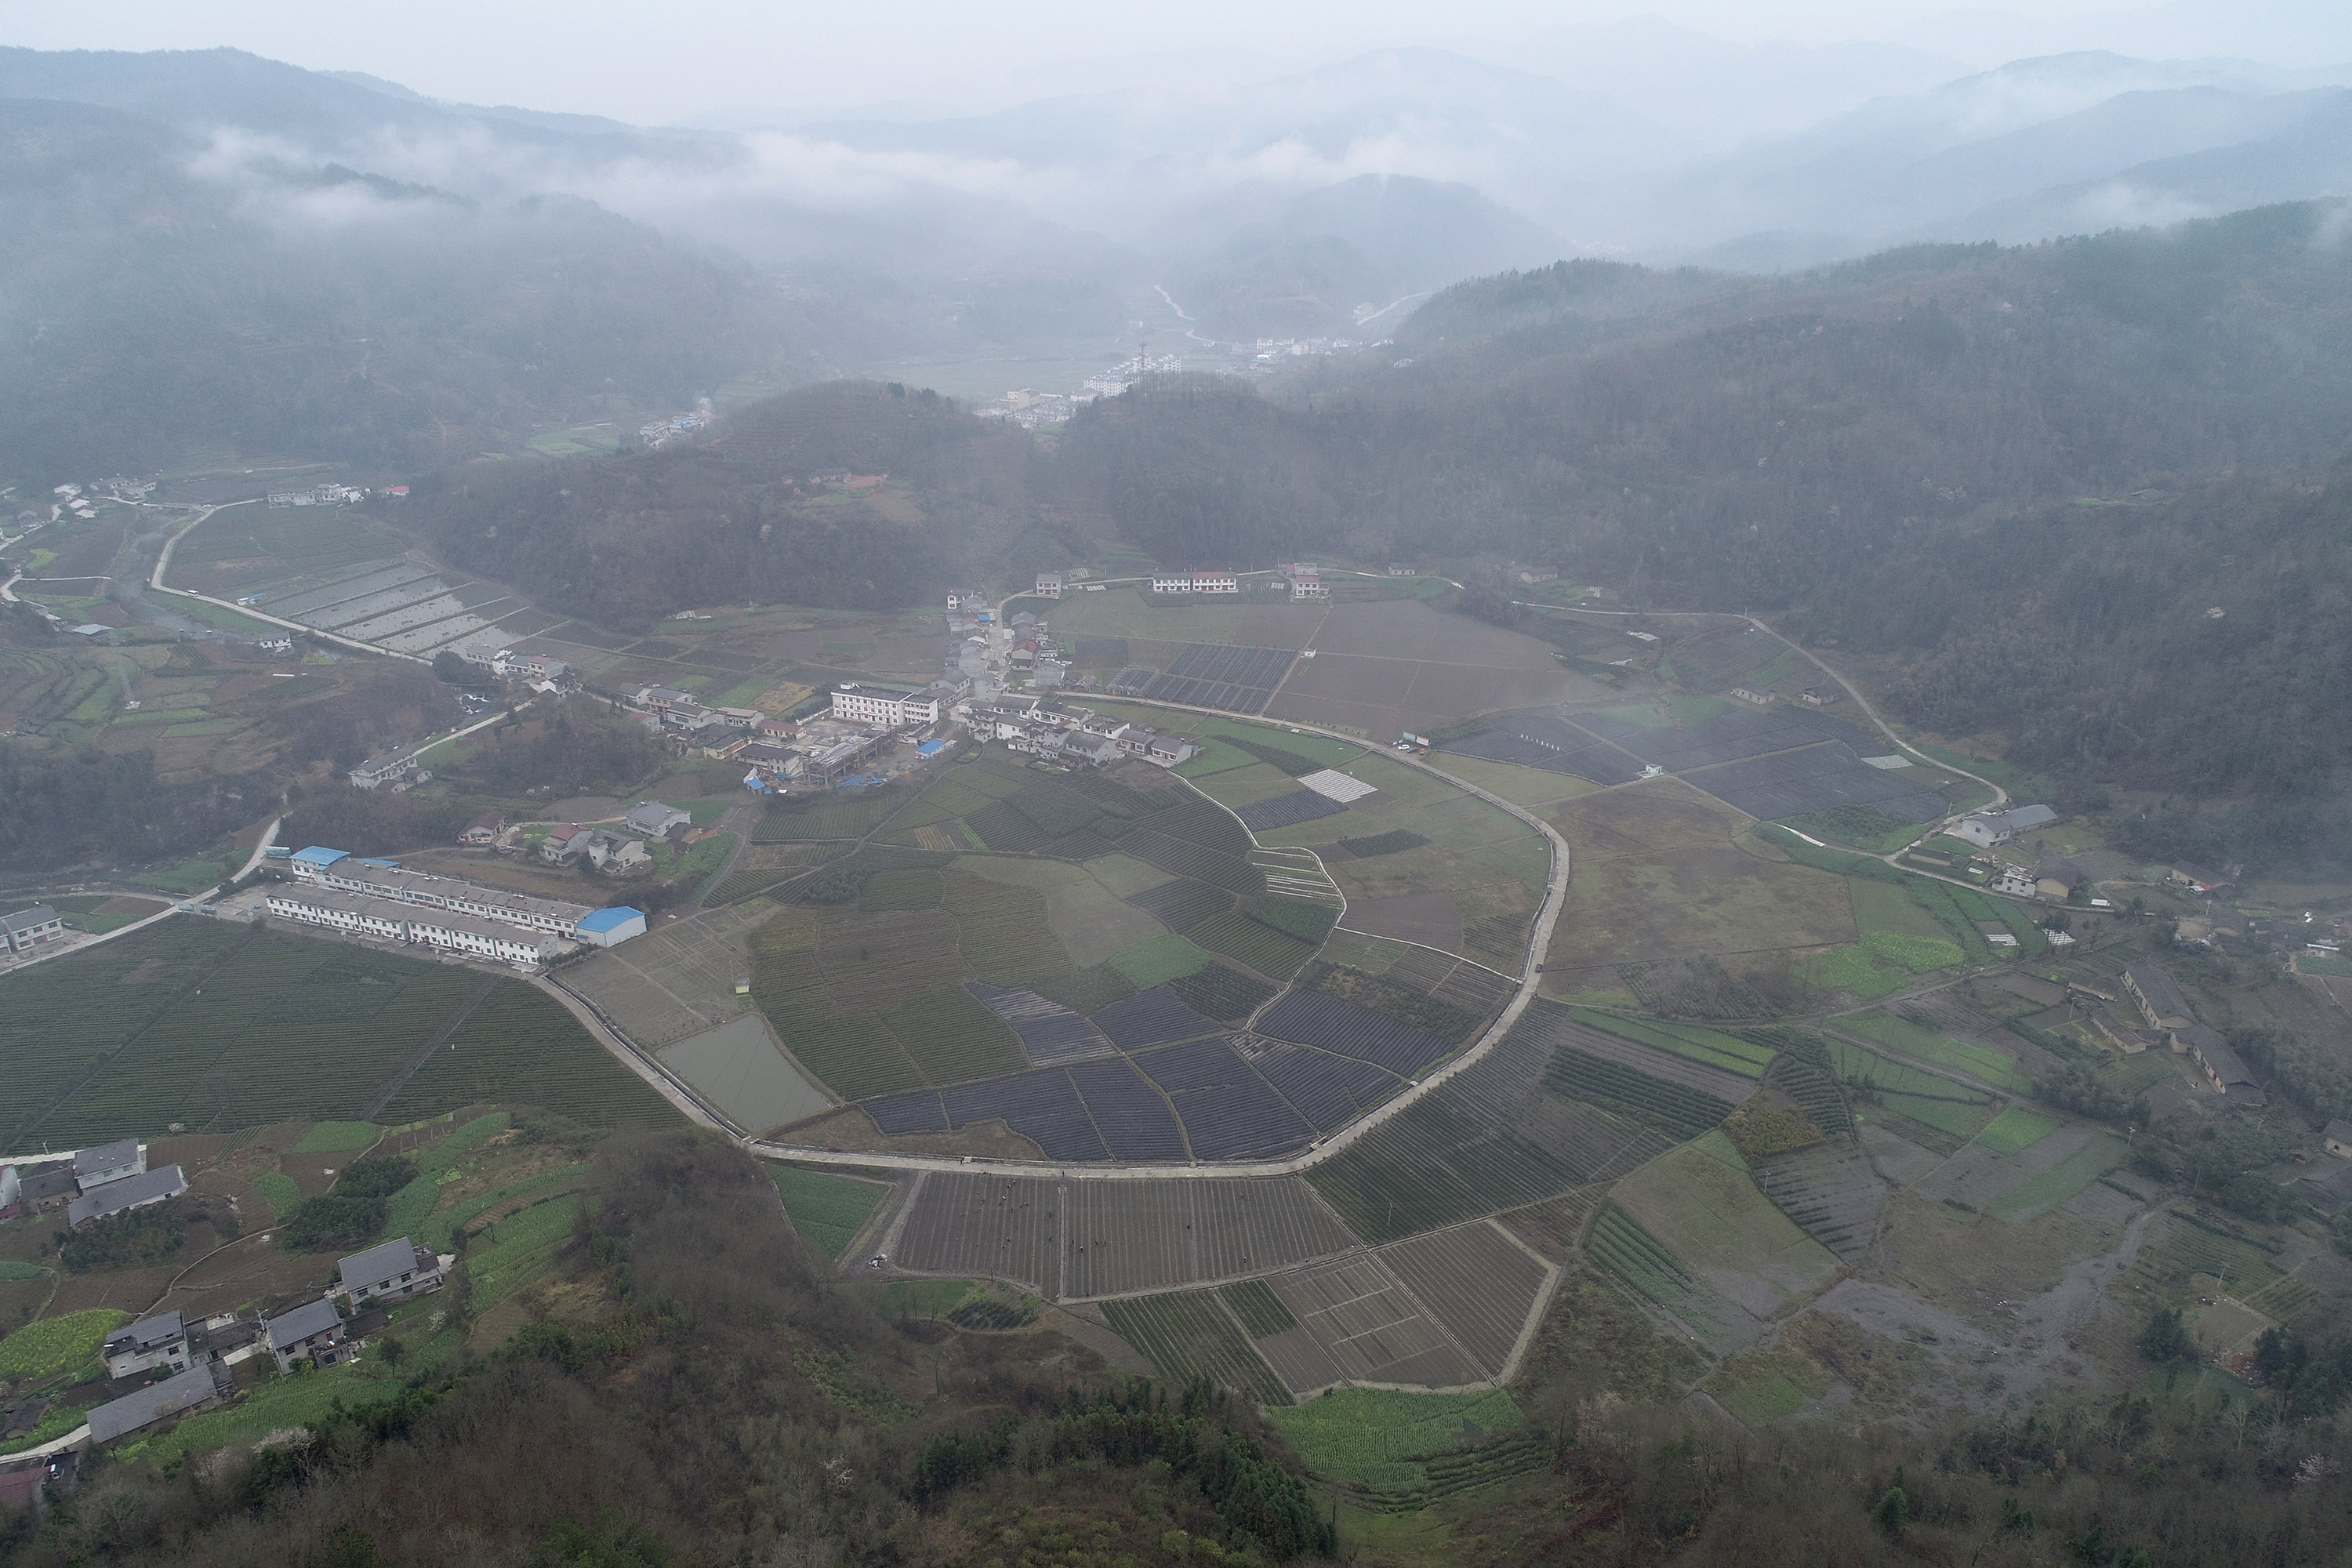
x=319, y=854
x=608, y=919
x=930, y=748
x=387, y=865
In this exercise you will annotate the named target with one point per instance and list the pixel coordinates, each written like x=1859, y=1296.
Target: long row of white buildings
x=339, y=891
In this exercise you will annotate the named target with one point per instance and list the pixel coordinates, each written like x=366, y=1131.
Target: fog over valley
x=1239, y=785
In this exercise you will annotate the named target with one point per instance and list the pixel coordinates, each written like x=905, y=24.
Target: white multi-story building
x=384, y=767
x=1049, y=585
x=481, y=937
x=1196, y=582
x=332, y=871
x=892, y=706
x=1308, y=586
x=343, y=912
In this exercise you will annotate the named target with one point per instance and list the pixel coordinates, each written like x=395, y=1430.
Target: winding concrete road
x=1530, y=974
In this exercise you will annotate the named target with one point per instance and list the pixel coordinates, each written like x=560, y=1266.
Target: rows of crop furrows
x=1638, y=1258
x=849, y=818
x=1673, y=1107
x=1133, y=1236
x=1477, y=1282
x=1006, y=1228
x=59, y=1018
x=521, y=1047
x=1048, y=1031
x=1329, y=1090
x=1271, y=952
x=1153, y=1017
x=1202, y=822
x=1228, y=1110
x=1815, y=1092
x=1313, y=1018
x=1222, y=992
x=1830, y=1191
x=1181, y=902
x=151, y=1082
x=1184, y=858
x=1189, y=1335
x=1003, y=828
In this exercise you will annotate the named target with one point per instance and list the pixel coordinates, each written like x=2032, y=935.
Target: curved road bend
x=1539, y=944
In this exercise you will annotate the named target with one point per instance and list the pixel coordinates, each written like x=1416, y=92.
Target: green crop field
x=278, y=1404
x=337, y=1137
x=1431, y=1166
x=1854, y=970
x=221, y=1027
x=284, y=1196
x=1983, y=1062
x=1189, y=1332
x=1673, y=1107
x=911, y=890
x=1957, y=1117
x=1647, y=1266
x=849, y=818
x=1005, y=935
x=953, y=1040
x=1221, y=991
x=59, y=1019
x=410, y=1207
x=515, y=1250
x=2062, y=1180
x=1089, y=990
x=2015, y=1129
x=1158, y=962
x=1273, y=953
x=1261, y=1311
x=1711, y=1046
x=827, y=1210
x=1375, y=1437
x=53, y=1345
x=522, y=1047
x=439, y=1229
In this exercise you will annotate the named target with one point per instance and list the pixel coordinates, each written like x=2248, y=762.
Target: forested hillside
x=2027, y=473
x=745, y=518
x=157, y=305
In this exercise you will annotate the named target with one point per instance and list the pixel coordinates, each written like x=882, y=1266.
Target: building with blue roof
x=610, y=928
x=316, y=858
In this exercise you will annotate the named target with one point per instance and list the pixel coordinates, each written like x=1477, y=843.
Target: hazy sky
x=656, y=64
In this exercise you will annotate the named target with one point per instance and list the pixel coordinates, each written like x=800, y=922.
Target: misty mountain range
x=228, y=253
x=1193, y=180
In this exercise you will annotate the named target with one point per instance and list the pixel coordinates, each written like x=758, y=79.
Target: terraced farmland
x=1189, y=1334
x=1482, y=1287
x=1492, y=1137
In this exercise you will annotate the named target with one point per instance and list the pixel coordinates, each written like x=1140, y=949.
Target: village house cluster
x=189, y=1363
x=89, y=1185
x=1064, y=733
x=337, y=891
x=2168, y=1016
x=821, y=752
